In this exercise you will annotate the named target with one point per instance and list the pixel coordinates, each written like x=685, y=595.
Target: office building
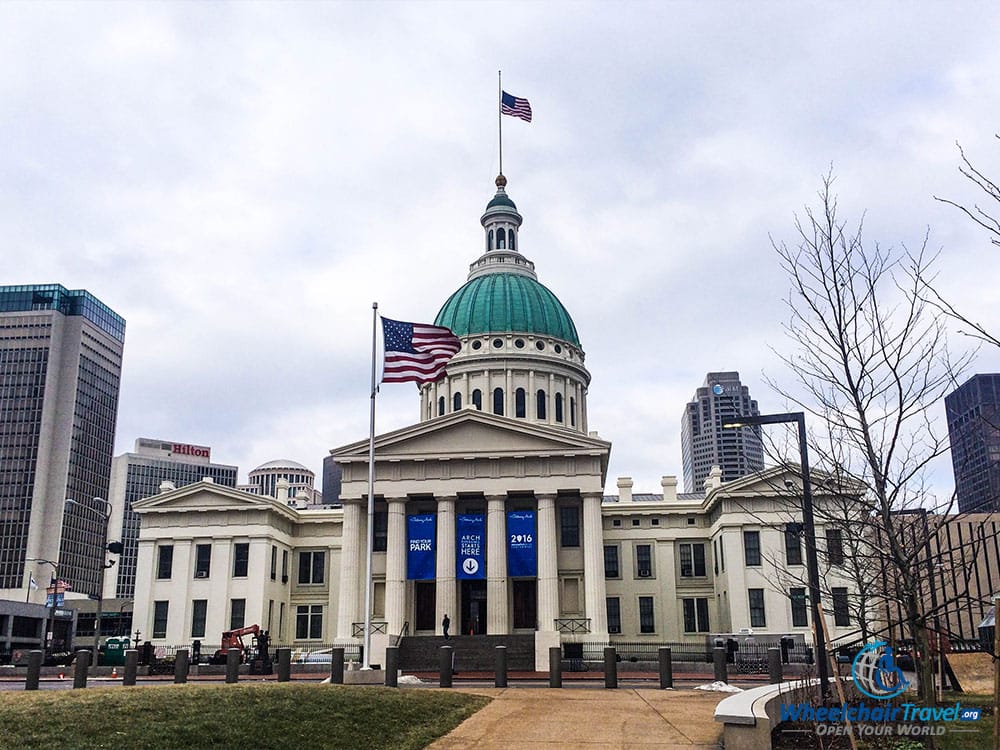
x=60, y=366
x=704, y=443
x=973, y=414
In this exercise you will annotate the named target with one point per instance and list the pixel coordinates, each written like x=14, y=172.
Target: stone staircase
x=473, y=653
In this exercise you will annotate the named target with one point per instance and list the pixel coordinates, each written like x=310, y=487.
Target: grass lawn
x=968, y=735
x=230, y=717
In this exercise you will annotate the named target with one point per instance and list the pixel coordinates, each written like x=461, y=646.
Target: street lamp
x=106, y=515
x=54, y=585
x=808, y=526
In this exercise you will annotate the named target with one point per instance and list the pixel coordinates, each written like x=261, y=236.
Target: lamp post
x=106, y=515
x=809, y=527
x=50, y=625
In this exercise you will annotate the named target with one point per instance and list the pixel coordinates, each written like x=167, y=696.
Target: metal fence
x=747, y=656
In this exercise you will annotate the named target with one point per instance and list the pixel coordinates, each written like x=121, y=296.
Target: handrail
x=405, y=631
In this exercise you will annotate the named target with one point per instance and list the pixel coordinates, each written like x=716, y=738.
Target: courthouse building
x=490, y=509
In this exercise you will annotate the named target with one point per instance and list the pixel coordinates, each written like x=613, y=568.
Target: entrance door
x=424, y=592
x=473, y=607
x=525, y=605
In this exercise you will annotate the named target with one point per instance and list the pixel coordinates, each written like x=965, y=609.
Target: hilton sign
x=182, y=449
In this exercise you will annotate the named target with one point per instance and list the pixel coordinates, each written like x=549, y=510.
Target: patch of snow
x=720, y=687
x=409, y=679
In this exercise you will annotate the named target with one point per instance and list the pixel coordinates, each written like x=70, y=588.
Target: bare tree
x=871, y=359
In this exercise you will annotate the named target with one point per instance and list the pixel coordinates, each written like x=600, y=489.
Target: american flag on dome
x=416, y=352
x=515, y=106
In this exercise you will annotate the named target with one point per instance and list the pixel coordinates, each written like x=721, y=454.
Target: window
x=160, y=619
x=441, y=406
x=696, y=615
x=309, y=621
x=498, y=401
x=715, y=556
x=380, y=537
x=241, y=560
x=237, y=613
x=199, y=611
x=312, y=566
x=501, y=239
x=165, y=563
x=757, y=618
x=540, y=404
x=456, y=402
x=793, y=543
x=614, y=614
x=841, y=613
x=274, y=562
x=477, y=399
x=611, y=569
x=519, y=403
x=647, y=623
x=692, y=560
x=722, y=554
x=569, y=526
x=800, y=617
x=644, y=560
x=489, y=241
x=835, y=546
x=510, y=239
x=284, y=566
x=203, y=560
x=559, y=407
x=572, y=412
x=751, y=547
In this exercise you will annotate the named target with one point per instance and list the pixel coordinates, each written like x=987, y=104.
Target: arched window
x=572, y=411
x=441, y=406
x=510, y=239
x=501, y=239
x=519, y=403
x=489, y=242
x=540, y=405
x=477, y=399
x=559, y=407
x=456, y=402
x=498, y=401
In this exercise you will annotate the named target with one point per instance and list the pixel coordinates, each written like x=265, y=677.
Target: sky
x=241, y=181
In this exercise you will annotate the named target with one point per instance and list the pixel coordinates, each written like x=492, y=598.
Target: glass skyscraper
x=973, y=413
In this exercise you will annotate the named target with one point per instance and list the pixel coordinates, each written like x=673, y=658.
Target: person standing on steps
x=445, y=624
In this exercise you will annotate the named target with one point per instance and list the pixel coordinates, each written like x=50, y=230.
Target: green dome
x=499, y=302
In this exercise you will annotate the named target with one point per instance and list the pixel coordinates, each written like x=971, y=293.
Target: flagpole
x=500, y=117
x=366, y=664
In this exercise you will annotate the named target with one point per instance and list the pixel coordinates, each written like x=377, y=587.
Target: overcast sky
x=241, y=181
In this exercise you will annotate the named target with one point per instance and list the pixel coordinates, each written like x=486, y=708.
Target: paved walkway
x=565, y=718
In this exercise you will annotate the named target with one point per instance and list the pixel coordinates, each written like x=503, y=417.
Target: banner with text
x=420, y=537
x=521, y=555
x=471, y=559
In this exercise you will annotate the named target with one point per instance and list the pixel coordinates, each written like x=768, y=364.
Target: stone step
x=472, y=652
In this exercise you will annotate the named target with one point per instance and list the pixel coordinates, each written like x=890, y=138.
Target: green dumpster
x=114, y=652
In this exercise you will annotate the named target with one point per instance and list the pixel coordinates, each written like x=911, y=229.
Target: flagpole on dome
x=500, y=116
x=366, y=663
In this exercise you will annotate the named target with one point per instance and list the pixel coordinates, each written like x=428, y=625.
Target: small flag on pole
x=515, y=106
x=416, y=352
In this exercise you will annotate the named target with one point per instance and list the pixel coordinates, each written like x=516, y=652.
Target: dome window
x=540, y=404
x=489, y=241
x=477, y=345
x=519, y=403
x=497, y=343
x=477, y=399
x=501, y=239
x=572, y=411
x=510, y=238
x=559, y=407
x=519, y=343
x=441, y=406
x=498, y=401
x=540, y=345
x=456, y=402
x=558, y=349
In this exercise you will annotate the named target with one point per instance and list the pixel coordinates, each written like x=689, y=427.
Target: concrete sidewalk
x=565, y=718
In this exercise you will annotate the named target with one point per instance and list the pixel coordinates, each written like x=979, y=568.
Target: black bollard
x=774, y=665
x=555, y=666
x=666, y=668
x=500, y=678
x=610, y=668
x=719, y=658
x=284, y=664
x=80, y=669
x=445, y=656
x=131, y=667
x=337, y=665
x=232, y=666
x=181, y=662
x=34, y=670
x=392, y=666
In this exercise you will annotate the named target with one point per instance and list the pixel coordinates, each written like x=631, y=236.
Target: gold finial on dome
x=501, y=181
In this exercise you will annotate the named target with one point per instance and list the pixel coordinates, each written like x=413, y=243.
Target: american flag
x=416, y=352
x=515, y=106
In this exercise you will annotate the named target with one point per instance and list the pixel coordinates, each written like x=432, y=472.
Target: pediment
x=206, y=496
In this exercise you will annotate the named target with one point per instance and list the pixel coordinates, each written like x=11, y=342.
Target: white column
x=593, y=564
x=351, y=571
x=446, y=591
x=548, y=564
x=395, y=566
x=497, y=621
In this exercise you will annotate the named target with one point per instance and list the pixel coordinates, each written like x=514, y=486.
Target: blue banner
x=420, y=538
x=471, y=560
x=521, y=556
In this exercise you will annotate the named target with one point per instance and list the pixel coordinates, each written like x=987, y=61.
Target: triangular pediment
x=784, y=479
x=207, y=496
x=471, y=433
